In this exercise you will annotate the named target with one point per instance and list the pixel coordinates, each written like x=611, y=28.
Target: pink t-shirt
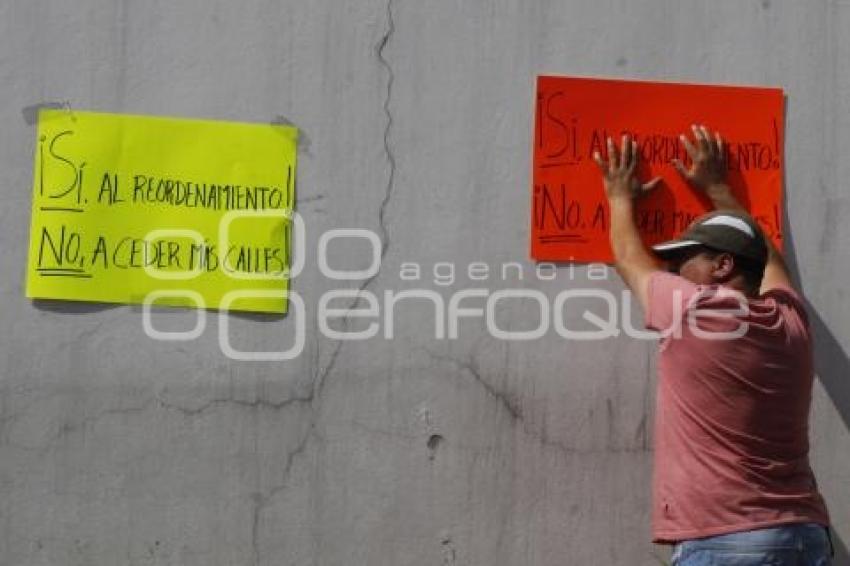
x=732, y=411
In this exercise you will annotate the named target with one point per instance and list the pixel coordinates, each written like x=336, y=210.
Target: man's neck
x=739, y=284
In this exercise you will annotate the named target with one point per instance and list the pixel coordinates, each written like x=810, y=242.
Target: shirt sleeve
x=669, y=297
x=792, y=302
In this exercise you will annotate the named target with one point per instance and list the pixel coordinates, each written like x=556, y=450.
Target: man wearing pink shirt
x=731, y=477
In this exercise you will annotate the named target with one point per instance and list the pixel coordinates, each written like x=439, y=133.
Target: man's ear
x=724, y=265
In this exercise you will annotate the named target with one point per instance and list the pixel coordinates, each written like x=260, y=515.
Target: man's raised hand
x=708, y=159
x=708, y=168
x=618, y=172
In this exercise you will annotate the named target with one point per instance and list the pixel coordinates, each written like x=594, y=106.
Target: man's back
x=732, y=411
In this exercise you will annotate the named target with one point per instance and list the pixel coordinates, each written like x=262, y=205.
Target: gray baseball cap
x=725, y=231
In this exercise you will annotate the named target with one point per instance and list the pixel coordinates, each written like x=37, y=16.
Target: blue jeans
x=800, y=544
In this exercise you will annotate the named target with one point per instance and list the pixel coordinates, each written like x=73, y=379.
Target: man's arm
x=776, y=271
x=631, y=259
x=708, y=174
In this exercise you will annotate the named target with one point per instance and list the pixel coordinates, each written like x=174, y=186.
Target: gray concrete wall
x=416, y=451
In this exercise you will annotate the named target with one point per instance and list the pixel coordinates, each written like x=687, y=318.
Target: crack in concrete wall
x=261, y=501
x=542, y=436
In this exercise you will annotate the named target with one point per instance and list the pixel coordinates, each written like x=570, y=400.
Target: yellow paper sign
x=176, y=212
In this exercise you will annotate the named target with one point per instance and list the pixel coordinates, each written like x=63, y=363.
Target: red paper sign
x=573, y=118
